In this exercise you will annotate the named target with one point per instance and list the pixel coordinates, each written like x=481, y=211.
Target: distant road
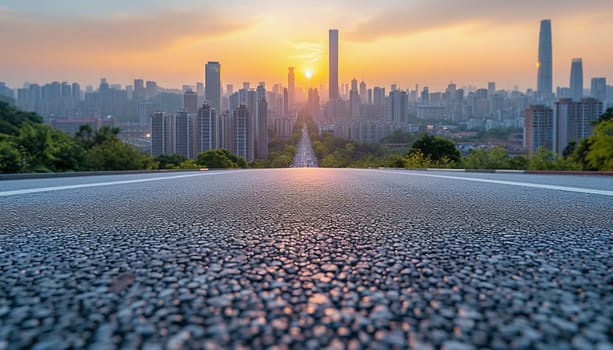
x=307, y=258
x=305, y=156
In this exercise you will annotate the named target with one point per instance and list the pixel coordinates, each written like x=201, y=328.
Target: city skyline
x=405, y=43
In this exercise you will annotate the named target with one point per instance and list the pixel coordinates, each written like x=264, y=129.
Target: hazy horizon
x=427, y=43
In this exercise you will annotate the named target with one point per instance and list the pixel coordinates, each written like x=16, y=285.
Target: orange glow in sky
x=407, y=42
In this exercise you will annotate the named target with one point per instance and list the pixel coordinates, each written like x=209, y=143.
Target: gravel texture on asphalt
x=306, y=258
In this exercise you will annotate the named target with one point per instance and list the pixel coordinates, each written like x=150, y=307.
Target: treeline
x=28, y=145
x=430, y=151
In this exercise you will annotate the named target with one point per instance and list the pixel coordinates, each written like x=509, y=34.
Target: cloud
x=26, y=32
x=308, y=52
x=420, y=16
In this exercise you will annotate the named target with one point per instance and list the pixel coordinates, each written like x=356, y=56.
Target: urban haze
x=306, y=175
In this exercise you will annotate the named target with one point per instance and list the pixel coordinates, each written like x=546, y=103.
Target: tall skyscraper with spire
x=576, y=79
x=544, y=75
x=333, y=64
x=212, y=88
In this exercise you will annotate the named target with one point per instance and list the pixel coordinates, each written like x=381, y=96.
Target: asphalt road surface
x=307, y=258
x=305, y=156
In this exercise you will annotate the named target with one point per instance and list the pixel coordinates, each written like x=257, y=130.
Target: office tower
x=291, y=87
x=183, y=134
x=190, y=101
x=398, y=106
x=576, y=79
x=599, y=89
x=538, y=128
x=333, y=64
x=545, y=58
x=363, y=92
x=369, y=96
x=240, y=130
x=229, y=89
x=573, y=120
x=212, y=85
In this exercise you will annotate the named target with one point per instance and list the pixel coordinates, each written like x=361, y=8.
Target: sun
x=308, y=74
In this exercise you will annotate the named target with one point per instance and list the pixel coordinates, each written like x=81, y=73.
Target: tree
x=606, y=116
x=544, y=159
x=85, y=136
x=10, y=158
x=169, y=161
x=495, y=158
x=436, y=148
x=106, y=134
x=116, y=155
x=600, y=154
x=220, y=159
x=12, y=119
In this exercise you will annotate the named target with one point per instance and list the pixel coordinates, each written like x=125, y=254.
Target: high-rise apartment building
x=573, y=120
x=538, y=128
x=398, y=106
x=378, y=96
x=491, y=88
x=212, y=85
x=183, y=134
x=363, y=92
x=291, y=87
x=599, y=89
x=333, y=64
x=190, y=101
x=260, y=123
x=544, y=90
x=162, y=134
x=240, y=130
x=576, y=79
x=206, y=129
x=261, y=130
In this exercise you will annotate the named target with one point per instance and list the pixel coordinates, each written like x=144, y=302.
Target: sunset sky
x=429, y=42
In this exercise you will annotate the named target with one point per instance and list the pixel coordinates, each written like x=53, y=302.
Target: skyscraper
x=544, y=75
x=333, y=64
x=213, y=85
x=291, y=87
x=576, y=79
